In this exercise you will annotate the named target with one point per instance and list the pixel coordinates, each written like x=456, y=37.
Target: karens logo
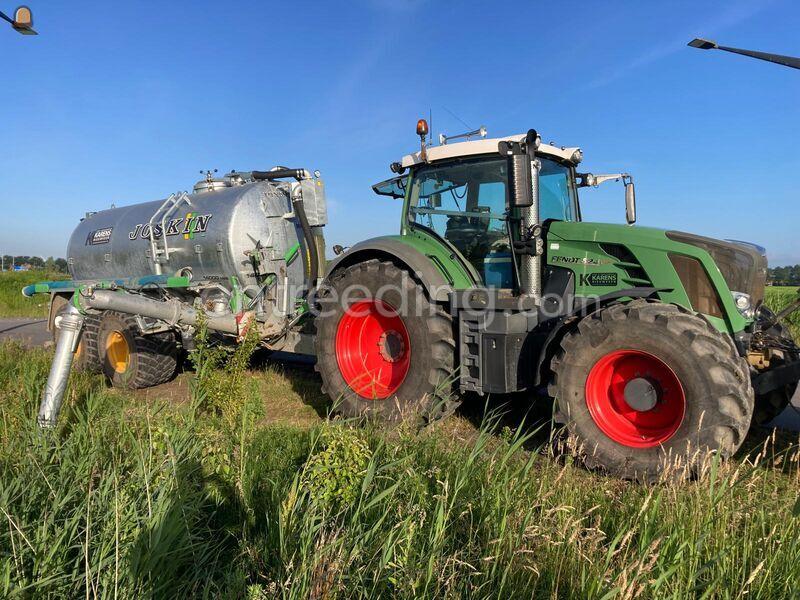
x=186, y=226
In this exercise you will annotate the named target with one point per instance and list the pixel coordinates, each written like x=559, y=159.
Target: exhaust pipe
x=531, y=267
x=70, y=325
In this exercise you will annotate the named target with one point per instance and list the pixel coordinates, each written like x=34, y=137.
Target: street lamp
x=22, y=21
x=786, y=61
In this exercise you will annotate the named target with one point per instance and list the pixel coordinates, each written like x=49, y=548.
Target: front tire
x=383, y=349
x=644, y=387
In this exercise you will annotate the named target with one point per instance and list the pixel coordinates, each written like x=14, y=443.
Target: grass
x=14, y=304
x=181, y=491
x=778, y=298
x=139, y=495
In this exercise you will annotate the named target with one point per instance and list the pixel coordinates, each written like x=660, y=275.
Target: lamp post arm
x=786, y=61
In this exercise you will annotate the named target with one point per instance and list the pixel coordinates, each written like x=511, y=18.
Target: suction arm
x=280, y=173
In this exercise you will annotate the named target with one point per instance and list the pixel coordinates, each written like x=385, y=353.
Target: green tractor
x=655, y=345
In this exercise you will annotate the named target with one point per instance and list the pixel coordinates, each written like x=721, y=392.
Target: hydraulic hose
x=280, y=173
x=308, y=236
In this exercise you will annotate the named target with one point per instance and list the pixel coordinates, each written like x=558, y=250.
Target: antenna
x=457, y=118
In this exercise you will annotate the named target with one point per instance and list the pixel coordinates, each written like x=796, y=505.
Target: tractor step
x=493, y=350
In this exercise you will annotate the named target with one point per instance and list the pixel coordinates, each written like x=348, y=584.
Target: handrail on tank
x=169, y=206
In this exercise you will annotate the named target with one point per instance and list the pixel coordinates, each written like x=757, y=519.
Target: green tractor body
x=655, y=346
x=653, y=343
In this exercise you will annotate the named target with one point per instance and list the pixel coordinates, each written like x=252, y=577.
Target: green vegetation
x=233, y=483
x=13, y=303
x=789, y=275
x=35, y=262
x=153, y=494
x=778, y=298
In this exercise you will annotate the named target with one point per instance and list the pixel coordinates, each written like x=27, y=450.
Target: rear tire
x=376, y=359
x=132, y=360
x=646, y=387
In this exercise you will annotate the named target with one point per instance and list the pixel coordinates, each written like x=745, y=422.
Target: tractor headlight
x=744, y=304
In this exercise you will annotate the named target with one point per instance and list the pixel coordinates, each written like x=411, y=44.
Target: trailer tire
x=130, y=359
x=87, y=357
x=376, y=361
x=647, y=388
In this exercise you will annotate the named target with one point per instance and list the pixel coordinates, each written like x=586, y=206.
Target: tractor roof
x=483, y=146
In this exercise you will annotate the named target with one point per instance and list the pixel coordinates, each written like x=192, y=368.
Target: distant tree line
x=789, y=275
x=785, y=275
x=34, y=262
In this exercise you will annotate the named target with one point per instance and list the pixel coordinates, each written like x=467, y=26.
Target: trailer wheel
x=390, y=352
x=645, y=387
x=132, y=360
x=87, y=357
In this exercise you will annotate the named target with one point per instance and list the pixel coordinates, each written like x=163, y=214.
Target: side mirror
x=630, y=200
x=523, y=170
x=519, y=181
x=520, y=185
x=436, y=200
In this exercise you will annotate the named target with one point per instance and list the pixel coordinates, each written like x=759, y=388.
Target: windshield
x=465, y=203
x=557, y=194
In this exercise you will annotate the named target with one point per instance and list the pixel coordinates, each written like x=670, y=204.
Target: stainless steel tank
x=209, y=233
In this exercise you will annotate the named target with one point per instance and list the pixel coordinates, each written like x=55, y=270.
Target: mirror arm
x=589, y=179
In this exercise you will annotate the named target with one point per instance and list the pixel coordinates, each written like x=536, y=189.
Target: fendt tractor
x=655, y=345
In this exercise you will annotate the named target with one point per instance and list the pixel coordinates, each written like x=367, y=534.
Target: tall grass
x=156, y=500
x=13, y=303
x=778, y=298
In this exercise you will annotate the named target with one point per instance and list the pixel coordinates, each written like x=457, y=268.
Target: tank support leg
x=70, y=325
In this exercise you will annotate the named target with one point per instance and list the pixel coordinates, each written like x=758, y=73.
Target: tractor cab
x=460, y=193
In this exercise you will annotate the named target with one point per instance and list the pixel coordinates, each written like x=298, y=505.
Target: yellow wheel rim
x=117, y=352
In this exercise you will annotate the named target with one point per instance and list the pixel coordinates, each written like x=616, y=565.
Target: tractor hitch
x=777, y=377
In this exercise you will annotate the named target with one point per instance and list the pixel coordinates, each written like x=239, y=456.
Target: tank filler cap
x=210, y=183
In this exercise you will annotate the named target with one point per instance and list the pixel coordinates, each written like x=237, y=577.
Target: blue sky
x=122, y=102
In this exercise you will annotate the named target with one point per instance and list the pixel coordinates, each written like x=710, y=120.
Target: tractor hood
x=742, y=265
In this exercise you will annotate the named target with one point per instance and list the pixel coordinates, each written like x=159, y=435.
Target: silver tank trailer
x=207, y=234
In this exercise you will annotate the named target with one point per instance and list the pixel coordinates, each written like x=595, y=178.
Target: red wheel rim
x=373, y=349
x=649, y=413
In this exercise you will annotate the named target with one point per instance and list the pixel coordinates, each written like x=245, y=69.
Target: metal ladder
x=160, y=255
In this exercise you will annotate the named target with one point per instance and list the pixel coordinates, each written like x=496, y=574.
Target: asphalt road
x=33, y=332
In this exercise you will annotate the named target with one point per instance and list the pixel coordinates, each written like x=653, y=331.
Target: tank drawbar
x=70, y=323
